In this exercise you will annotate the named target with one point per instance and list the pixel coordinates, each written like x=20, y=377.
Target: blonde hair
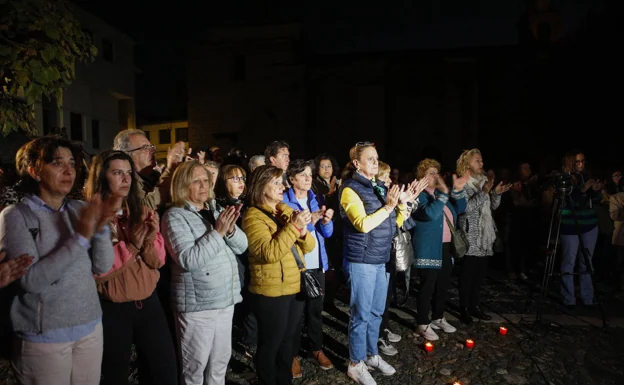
x=425, y=165
x=181, y=180
x=354, y=154
x=463, y=162
x=383, y=170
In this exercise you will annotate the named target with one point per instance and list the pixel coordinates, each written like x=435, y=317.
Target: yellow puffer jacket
x=272, y=267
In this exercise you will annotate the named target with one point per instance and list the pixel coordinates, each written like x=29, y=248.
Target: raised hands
x=301, y=219
x=459, y=183
x=392, y=198
x=95, y=215
x=227, y=220
x=502, y=188
x=13, y=269
x=332, y=185
x=323, y=214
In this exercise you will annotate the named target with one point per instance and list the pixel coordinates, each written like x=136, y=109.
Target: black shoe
x=480, y=314
x=464, y=316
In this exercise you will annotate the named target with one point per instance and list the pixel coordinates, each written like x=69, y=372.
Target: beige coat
x=616, y=210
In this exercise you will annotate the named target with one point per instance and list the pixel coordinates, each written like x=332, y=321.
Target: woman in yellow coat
x=274, y=232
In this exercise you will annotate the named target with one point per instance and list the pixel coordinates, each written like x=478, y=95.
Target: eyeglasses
x=237, y=179
x=325, y=166
x=360, y=144
x=146, y=147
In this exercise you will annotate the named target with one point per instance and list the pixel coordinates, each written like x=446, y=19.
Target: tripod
x=561, y=201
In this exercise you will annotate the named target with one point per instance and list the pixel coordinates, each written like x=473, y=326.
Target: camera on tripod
x=562, y=182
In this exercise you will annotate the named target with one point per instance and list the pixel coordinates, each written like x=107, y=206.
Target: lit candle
x=457, y=383
x=502, y=330
x=429, y=347
x=469, y=344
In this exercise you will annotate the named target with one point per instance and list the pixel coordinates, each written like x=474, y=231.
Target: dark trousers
x=144, y=324
x=313, y=318
x=278, y=318
x=249, y=322
x=385, y=318
x=471, y=279
x=433, y=289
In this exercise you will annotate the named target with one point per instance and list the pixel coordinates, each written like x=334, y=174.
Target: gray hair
x=253, y=159
x=122, y=140
x=211, y=164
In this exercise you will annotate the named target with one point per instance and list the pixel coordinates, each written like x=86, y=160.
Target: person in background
x=277, y=154
x=255, y=162
x=431, y=224
x=13, y=269
x=300, y=197
x=478, y=224
x=325, y=185
x=579, y=224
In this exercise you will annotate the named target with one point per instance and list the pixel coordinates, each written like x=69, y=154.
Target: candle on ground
x=502, y=330
x=469, y=344
x=429, y=347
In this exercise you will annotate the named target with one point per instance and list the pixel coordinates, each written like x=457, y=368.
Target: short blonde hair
x=181, y=180
x=426, y=164
x=383, y=170
x=463, y=162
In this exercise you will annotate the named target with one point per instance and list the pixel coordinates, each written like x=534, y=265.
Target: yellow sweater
x=354, y=208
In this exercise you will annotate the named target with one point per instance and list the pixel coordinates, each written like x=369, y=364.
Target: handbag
x=459, y=240
x=404, y=252
x=310, y=285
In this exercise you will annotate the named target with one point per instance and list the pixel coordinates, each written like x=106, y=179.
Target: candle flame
x=428, y=344
x=469, y=341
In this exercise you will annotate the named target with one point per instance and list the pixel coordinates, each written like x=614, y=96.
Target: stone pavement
x=566, y=348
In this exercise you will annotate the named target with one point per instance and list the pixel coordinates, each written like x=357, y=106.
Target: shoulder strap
x=448, y=221
x=294, y=247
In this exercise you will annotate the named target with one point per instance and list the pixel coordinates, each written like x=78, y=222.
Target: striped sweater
x=579, y=214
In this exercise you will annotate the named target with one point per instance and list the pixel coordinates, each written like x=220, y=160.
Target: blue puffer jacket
x=320, y=230
x=427, y=226
x=372, y=247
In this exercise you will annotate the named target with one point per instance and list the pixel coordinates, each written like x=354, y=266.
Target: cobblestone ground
x=568, y=347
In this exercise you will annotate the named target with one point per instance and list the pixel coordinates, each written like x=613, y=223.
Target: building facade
x=101, y=100
x=164, y=135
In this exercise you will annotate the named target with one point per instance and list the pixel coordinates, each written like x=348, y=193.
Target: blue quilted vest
x=372, y=247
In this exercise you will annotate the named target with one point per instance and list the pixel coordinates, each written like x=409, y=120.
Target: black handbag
x=310, y=285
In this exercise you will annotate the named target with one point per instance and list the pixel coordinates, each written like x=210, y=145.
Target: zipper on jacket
x=40, y=311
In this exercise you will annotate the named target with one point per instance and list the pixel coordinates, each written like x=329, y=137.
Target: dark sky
x=331, y=26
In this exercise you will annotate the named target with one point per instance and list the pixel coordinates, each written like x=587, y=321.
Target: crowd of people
x=105, y=253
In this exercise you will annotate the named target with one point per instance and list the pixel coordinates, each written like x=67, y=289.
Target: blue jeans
x=369, y=287
x=571, y=257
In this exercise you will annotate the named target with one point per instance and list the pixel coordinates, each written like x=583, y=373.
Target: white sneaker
x=443, y=324
x=391, y=336
x=427, y=332
x=376, y=362
x=386, y=348
x=359, y=373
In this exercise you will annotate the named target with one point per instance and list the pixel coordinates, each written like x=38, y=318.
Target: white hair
x=122, y=140
x=253, y=159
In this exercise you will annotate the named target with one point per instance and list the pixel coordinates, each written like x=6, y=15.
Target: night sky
x=160, y=29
